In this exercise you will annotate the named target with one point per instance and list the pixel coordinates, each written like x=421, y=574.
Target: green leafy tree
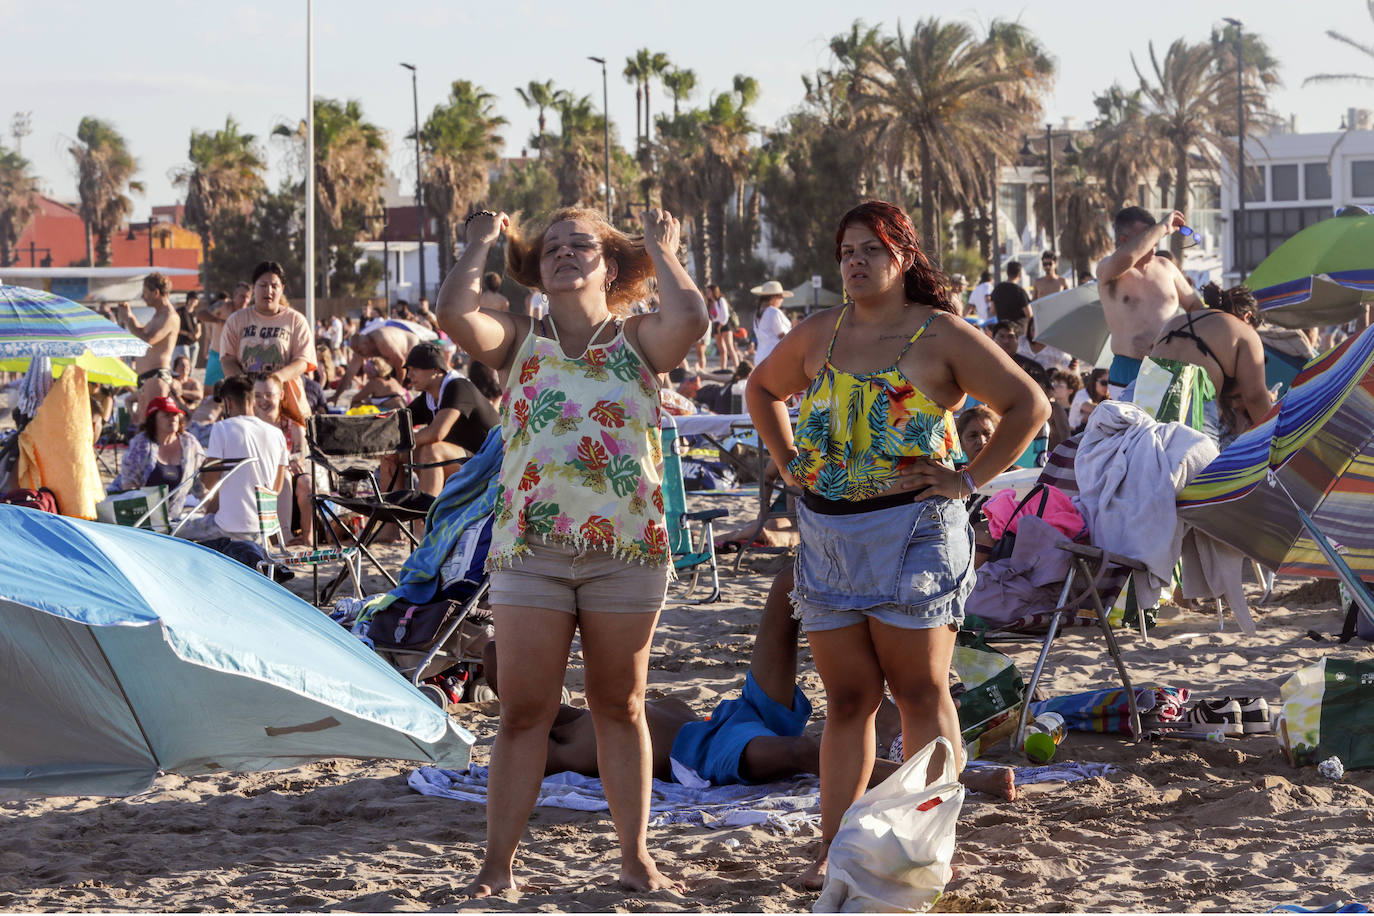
x=1191, y=99
x=225, y=174
x=18, y=201
x=461, y=144
x=270, y=229
x=527, y=188
x=104, y=171
x=541, y=97
x=680, y=84
x=350, y=170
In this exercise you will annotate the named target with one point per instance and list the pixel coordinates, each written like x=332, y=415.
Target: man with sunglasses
x=1051, y=282
x=1140, y=291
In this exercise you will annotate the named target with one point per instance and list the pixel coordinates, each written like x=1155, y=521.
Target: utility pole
x=419, y=184
x=21, y=125
x=1238, y=232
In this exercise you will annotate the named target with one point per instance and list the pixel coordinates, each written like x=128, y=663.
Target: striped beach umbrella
x=1322, y=275
x=1310, y=460
x=37, y=323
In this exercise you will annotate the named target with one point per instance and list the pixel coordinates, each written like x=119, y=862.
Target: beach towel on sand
x=57, y=448
x=781, y=806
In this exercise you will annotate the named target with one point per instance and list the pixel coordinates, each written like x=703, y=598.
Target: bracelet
x=472, y=216
x=968, y=482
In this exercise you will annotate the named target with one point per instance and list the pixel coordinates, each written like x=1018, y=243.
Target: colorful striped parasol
x=1313, y=459
x=37, y=323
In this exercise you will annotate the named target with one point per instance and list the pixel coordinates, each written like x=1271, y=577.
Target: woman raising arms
x=886, y=556
x=579, y=541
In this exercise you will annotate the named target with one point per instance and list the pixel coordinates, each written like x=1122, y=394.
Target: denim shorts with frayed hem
x=909, y=566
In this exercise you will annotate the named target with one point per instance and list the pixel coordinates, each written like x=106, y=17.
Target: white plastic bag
x=890, y=855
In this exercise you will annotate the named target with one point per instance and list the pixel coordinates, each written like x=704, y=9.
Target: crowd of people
x=909, y=399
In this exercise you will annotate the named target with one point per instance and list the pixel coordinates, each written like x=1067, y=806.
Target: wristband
x=968, y=482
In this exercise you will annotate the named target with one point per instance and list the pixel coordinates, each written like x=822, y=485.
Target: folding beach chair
x=335, y=439
x=273, y=543
x=1095, y=578
x=689, y=552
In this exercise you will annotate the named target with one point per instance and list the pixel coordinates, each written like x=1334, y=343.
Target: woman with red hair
x=579, y=541
x=886, y=556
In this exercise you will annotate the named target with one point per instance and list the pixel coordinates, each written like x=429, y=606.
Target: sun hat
x=164, y=405
x=427, y=356
x=771, y=288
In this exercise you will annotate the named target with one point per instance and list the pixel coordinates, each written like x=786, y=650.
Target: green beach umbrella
x=1322, y=275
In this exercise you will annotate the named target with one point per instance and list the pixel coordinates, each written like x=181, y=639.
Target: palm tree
x=461, y=143
x=1121, y=151
x=104, y=169
x=680, y=84
x=225, y=176
x=1082, y=208
x=350, y=169
x=580, y=150
x=1192, y=97
x=541, y=97
x=1359, y=79
x=636, y=73
x=946, y=99
x=18, y=201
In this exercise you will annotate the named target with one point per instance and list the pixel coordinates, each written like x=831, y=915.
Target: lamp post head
x=1229, y=21
x=410, y=67
x=597, y=60
x=1026, y=147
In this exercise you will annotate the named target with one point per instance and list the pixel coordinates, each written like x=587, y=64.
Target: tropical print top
x=584, y=461
x=855, y=431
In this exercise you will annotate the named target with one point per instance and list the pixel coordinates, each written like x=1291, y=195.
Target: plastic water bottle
x=1043, y=736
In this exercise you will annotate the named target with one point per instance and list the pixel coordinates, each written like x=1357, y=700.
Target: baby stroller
x=438, y=644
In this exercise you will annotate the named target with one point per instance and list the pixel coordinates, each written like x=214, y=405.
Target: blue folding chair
x=690, y=551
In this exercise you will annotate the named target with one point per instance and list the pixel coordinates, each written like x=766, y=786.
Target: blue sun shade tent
x=124, y=653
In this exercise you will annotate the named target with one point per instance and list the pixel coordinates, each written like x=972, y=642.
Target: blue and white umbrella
x=126, y=653
x=38, y=323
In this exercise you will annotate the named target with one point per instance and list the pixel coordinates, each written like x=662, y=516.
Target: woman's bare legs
x=535, y=642
x=916, y=663
x=853, y=681
x=615, y=650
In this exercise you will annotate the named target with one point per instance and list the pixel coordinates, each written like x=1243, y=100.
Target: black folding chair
x=332, y=440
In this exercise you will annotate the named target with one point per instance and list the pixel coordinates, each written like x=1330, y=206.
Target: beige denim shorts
x=571, y=579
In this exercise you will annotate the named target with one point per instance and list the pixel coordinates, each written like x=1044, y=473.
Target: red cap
x=165, y=405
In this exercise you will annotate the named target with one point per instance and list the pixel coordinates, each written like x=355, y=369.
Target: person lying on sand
x=754, y=738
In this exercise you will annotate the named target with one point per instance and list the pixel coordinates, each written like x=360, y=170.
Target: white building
x=1292, y=181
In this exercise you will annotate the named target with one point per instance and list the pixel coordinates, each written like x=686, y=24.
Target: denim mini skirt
x=908, y=565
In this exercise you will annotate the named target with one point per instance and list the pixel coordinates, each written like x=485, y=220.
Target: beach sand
x=1179, y=825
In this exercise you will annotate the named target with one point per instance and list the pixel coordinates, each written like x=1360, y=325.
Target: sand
x=1180, y=825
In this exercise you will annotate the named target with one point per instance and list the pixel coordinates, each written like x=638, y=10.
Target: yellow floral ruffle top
x=854, y=431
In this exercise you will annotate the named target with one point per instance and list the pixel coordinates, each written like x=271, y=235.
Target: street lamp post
x=419, y=186
x=1239, y=230
x=133, y=236
x=386, y=258
x=606, y=123
x=1069, y=149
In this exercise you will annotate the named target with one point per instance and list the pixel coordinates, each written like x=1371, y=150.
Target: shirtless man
x=754, y=738
x=1051, y=282
x=154, y=367
x=1139, y=290
x=390, y=338
x=490, y=297
x=1222, y=340
x=186, y=391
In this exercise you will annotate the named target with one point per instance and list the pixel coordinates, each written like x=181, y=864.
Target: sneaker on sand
x=1224, y=712
x=1254, y=715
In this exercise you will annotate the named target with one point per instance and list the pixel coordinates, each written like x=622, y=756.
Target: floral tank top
x=584, y=462
x=854, y=431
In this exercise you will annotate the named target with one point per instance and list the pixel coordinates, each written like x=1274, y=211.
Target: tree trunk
x=639, y=101
x=205, y=262
x=1180, y=200
x=928, y=214
x=648, y=122
x=541, y=133
x=716, y=248
x=701, y=244
x=982, y=233
x=445, y=245
x=102, y=248
x=90, y=251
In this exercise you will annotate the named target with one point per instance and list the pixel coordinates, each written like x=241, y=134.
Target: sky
x=158, y=70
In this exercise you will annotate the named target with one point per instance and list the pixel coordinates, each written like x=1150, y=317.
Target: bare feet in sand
x=489, y=884
x=645, y=876
x=999, y=781
x=813, y=878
